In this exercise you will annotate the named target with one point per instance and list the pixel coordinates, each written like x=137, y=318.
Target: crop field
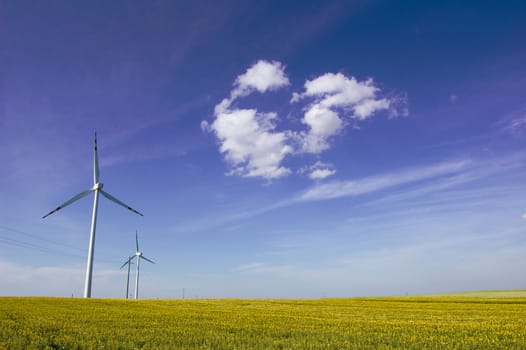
x=449, y=322
x=485, y=294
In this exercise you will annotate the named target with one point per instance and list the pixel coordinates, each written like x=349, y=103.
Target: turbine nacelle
x=98, y=186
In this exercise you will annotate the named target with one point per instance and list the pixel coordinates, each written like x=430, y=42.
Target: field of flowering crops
x=367, y=323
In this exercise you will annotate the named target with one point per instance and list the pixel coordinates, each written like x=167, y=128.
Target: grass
x=362, y=323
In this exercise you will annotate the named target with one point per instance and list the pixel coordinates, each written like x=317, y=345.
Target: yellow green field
x=484, y=294
x=360, y=323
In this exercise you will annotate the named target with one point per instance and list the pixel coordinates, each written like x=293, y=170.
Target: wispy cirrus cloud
x=337, y=189
x=514, y=123
x=475, y=169
x=399, y=185
x=384, y=268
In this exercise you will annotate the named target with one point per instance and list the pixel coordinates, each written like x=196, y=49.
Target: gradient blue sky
x=423, y=193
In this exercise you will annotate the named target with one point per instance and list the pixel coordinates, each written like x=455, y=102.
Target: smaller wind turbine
x=138, y=257
x=128, y=262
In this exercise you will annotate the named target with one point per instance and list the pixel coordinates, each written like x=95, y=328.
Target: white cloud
x=398, y=106
x=524, y=216
x=249, y=139
x=336, y=90
x=368, y=107
x=249, y=143
x=336, y=96
x=319, y=174
x=323, y=123
x=262, y=76
x=318, y=170
x=205, y=126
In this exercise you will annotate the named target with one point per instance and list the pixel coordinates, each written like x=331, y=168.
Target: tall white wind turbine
x=138, y=257
x=97, y=188
x=128, y=262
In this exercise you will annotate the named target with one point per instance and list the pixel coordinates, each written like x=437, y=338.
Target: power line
x=40, y=238
x=10, y=241
x=27, y=245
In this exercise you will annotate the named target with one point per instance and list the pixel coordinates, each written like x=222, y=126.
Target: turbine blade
x=95, y=162
x=128, y=261
x=65, y=204
x=113, y=199
x=145, y=258
x=136, y=240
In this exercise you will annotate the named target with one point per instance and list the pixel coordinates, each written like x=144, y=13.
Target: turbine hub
x=98, y=186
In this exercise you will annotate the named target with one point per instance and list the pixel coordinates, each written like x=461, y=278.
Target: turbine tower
x=97, y=188
x=128, y=262
x=138, y=256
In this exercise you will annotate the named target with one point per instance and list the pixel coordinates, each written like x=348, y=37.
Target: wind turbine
x=97, y=188
x=138, y=256
x=128, y=262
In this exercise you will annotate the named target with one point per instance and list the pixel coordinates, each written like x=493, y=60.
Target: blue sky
x=313, y=149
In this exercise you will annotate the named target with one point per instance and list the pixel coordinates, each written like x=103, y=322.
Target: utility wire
x=43, y=249
x=27, y=245
x=39, y=238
